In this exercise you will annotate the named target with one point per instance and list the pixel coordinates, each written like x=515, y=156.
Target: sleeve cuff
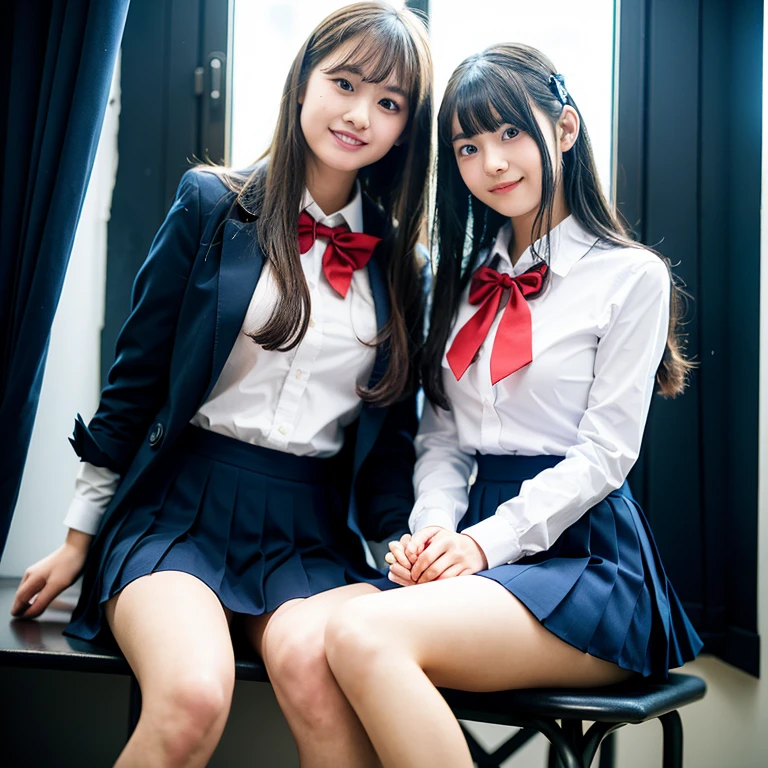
x=498, y=540
x=84, y=515
x=432, y=516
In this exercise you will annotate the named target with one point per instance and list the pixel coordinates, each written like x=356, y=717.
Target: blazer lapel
x=241, y=265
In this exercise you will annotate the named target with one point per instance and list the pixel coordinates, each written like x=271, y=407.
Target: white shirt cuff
x=432, y=516
x=84, y=515
x=498, y=540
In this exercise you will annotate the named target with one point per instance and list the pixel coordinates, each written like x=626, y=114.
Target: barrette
x=557, y=86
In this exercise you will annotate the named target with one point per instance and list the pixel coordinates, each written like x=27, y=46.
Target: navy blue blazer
x=188, y=305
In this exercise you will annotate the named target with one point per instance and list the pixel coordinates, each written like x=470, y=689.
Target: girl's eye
x=468, y=149
x=345, y=85
x=389, y=105
x=510, y=133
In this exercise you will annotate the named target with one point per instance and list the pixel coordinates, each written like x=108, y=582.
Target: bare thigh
x=472, y=634
x=305, y=615
x=167, y=624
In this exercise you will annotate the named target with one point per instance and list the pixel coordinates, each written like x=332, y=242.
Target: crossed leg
x=290, y=640
x=174, y=633
x=389, y=651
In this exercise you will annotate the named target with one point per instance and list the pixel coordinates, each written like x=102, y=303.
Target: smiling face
x=348, y=122
x=503, y=168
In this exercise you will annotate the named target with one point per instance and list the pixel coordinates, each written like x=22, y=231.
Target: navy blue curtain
x=56, y=63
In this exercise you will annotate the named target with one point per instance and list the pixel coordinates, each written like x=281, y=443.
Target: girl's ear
x=568, y=127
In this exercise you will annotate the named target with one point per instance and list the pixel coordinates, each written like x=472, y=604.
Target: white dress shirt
x=297, y=401
x=599, y=331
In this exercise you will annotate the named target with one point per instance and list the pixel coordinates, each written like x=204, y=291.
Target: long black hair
x=502, y=85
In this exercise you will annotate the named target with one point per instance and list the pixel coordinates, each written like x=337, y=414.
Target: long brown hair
x=502, y=85
x=385, y=41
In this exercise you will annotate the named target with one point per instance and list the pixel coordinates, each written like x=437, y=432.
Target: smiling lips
x=505, y=186
x=347, y=140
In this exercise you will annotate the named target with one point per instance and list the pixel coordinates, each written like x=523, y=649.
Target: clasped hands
x=433, y=554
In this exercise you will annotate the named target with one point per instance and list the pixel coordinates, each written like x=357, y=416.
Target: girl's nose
x=495, y=164
x=358, y=116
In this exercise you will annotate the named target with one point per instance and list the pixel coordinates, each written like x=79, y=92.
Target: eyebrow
x=460, y=136
x=355, y=70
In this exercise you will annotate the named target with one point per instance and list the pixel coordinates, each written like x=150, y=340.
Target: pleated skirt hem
x=256, y=526
x=601, y=587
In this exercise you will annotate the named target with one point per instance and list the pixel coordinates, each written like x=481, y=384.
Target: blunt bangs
x=383, y=50
x=483, y=98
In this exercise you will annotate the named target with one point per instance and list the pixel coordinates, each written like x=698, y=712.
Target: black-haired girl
x=548, y=335
x=260, y=414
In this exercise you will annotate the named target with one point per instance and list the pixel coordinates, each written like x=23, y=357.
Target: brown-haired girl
x=259, y=418
x=547, y=336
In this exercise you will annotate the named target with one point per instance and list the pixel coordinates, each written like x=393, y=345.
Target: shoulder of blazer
x=215, y=196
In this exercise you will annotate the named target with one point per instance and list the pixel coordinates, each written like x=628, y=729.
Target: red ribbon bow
x=513, y=346
x=346, y=251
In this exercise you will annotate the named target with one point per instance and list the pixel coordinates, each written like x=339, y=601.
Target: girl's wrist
x=480, y=552
x=78, y=539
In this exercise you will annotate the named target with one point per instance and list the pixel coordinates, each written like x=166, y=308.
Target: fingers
x=400, y=575
x=419, y=541
x=397, y=554
x=438, y=546
x=457, y=569
x=44, y=597
x=441, y=565
x=29, y=587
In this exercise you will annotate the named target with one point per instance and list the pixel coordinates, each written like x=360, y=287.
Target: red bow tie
x=512, y=348
x=346, y=251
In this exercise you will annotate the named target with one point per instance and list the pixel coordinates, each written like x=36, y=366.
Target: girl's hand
x=404, y=553
x=47, y=578
x=447, y=554
x=399, y=564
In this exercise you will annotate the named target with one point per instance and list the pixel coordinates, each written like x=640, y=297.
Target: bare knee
x=187, y=711
x=357, y=637
x=298, y=668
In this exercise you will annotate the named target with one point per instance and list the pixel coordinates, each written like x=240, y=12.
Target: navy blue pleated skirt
x=601, y=586
x=257, y=526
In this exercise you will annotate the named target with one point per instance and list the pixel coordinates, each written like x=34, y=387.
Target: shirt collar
x=351, y=214
x=569, y=241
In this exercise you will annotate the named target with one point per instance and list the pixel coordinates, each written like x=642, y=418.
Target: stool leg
x=574, y=732
x=607, y=751
x=599, y=737
x=673, y=740
x=134, y=706
x=552, y=759
x=500, y=754
x=566, y=754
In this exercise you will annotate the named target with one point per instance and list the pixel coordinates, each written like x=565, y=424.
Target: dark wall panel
x=689, y=165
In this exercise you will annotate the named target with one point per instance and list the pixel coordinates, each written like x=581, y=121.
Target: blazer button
x=156, y=435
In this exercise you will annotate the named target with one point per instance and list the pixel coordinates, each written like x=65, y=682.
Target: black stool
x=538, y=710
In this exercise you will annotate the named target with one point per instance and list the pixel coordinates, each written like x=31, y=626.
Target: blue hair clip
x=557, y=86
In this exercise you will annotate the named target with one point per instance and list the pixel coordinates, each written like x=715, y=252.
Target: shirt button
x=311, y=323
x=299, y=374
x=282, y=429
